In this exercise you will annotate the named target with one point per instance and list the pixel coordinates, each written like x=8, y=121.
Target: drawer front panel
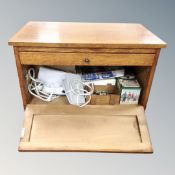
x=98, y=59
x=111, y=128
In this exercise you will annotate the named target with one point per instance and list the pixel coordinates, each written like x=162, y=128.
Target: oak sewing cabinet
x=58, y=126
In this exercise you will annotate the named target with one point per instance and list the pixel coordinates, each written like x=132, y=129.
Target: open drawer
x=111, y=128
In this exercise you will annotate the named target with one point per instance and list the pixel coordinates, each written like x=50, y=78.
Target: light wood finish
x=84, y=50
x=96, y=35
x=142, y=74
x=58, y=126
x=98, y=59
x=111, y=99
x=69, y=128
x=62, y=100
x=150, y=79
x=22, y=80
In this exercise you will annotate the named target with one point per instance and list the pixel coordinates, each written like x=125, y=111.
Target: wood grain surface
x=71, y=34
x=90, y=59
x=119, y=128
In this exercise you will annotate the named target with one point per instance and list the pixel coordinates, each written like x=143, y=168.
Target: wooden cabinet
x=58, y=126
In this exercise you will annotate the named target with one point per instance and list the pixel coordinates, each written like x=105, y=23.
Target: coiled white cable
x=81, y=92
x=35, y=88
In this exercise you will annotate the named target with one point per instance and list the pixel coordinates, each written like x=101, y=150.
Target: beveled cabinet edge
x=82, y=45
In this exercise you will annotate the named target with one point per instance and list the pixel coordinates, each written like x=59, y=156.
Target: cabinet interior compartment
x=141, y=73
x=58, y=126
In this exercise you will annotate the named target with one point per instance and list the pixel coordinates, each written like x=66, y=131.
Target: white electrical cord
x=35, y=88
x=81, y=92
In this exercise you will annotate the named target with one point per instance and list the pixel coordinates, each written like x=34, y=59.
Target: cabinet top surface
x=70, y=34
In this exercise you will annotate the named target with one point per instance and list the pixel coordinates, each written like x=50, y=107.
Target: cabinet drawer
x=97, y=59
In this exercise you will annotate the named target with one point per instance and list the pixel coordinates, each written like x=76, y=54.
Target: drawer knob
x=86, y=60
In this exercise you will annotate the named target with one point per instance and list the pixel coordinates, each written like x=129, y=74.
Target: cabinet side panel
x=149, y=79
x=142, y=74
x=21, y=76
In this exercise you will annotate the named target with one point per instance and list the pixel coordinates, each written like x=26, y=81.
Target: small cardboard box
x=105, y=95
x=129, y=90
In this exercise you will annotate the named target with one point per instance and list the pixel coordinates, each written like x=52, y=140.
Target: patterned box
x=129, y=89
